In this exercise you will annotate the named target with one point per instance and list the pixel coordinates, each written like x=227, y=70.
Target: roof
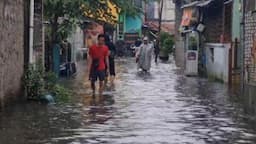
x=198, y=4
x=190, y=4
x=205, y=3
x=166, y=27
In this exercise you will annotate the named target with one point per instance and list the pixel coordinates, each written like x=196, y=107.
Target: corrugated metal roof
x=198, y=4
x=228, y=1
x=190, y=4
x=205, y=3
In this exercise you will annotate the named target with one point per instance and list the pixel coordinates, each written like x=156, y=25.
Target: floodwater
x=163, y=107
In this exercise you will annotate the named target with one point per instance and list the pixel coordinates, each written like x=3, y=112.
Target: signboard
x=191, y=56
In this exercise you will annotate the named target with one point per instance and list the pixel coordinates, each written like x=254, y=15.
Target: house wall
x=236, y=29
x=228, y=12
x=217, y=61
x=213, y=19
x=168, y=11
x=133, y=24
x=38, y=31
x=249, y=48
x=179, y=43
x=11, y=48
x=128, y=24
x=236, y=20
x=77, y=41
x=250, y=99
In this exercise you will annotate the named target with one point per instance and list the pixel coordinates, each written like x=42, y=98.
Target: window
x=250, y=5
x=212, y=54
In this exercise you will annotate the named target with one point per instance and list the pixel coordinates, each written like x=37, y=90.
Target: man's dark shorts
x=98, y=75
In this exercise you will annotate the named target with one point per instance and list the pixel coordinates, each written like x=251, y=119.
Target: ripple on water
x=162, y=107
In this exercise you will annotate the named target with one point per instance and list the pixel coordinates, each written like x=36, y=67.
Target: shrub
x=34, y=82
x=50, y=80
x=37, y=84
x=60, y=93
x=166, y=43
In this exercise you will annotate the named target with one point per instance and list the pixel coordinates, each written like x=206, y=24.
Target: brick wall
x=214, y=23
x=228, y=23
x=249, y=47
x=11, y=48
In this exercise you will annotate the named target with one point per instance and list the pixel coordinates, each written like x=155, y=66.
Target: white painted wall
x=77, y=41
x=217, y=65
x=168, y=10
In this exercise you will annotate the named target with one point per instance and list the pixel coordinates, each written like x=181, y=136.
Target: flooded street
x=164, y=107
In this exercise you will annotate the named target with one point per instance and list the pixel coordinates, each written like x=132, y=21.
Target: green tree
x=63, y=15
x=128, y=7
x=166, y=43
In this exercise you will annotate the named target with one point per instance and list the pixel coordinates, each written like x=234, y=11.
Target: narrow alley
x=164, y=107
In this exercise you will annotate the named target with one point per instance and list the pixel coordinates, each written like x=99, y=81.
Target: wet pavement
x=163, y=107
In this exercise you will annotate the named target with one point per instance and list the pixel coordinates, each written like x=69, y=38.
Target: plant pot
x=163, y=56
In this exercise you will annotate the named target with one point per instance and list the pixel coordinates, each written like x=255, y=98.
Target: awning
x=154, y=35
x=186, y=18
x=205, y=3
x=190, y=4
x=228, y=2
x=198, y=4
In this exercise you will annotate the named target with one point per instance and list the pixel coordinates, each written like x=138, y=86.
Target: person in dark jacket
x=156, y=50
x=138, y=42
x=112, y=54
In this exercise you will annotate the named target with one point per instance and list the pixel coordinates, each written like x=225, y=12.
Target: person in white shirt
x=144, y=55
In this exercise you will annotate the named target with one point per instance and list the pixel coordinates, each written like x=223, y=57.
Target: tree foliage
x=128, y=7
x=38, y=84
x=63, y=15
x=166, y=43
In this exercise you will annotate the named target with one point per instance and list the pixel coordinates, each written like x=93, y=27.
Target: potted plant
x=163, y=55
x=166, y=49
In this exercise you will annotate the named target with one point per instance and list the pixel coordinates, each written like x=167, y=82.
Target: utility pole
x=160, y=14
x=31, y=31
x=161, y=4
x=243, y=45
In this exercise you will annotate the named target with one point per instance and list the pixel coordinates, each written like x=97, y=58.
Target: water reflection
x=162, y=107
x=100, y=109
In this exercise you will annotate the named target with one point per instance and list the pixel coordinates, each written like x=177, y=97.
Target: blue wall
x=133, y=24
x=236, y=28
x=236, y=20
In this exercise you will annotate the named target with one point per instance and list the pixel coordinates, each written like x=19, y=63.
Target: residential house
x=249, y=51
x=151, y=19
x=17, y=46
x=215, y=28
x=222, y=21
x=152, y=11
x=129, y=28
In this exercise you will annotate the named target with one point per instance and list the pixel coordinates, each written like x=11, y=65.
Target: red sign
x=191, y=56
